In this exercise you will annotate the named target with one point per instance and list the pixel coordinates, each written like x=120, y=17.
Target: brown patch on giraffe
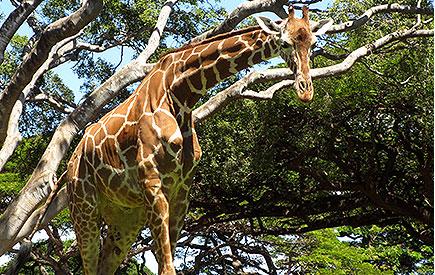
x=110, y=155
x=192, y=63
x=147, y=137
x=92, y=129
x=170, y=76
x=165, y=62
x=257, y=57
x=222, y=66
x=122, y=109
x=127, y=136
x=211, y=77
x=232, y=46
x=155, y=84
x=210, y=55
x=113, y=125
x=267, y=51
x=244, y=56
x=186, y=54
x=196, y=81
x=99, y=136
x=104, y=173
x=199, y=48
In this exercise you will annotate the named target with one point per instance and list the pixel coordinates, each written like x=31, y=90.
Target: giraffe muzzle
x=304, y=88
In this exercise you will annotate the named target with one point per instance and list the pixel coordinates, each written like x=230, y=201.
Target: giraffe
x=134, y=167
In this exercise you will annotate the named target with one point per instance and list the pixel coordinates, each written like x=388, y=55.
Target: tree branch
x=13, y=136
x=57, y=103
x=242, y=11
x=14, y=21
x=365, y=17
x=55, y=32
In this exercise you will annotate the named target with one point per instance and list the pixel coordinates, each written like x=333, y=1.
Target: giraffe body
x=134, y=167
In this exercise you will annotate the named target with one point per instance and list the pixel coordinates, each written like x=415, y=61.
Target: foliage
x=357, y=161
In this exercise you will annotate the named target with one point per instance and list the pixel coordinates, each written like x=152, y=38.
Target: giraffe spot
x=127, y=137
x=155, y=90
x=232, y=46
x=92, y=129
x=123, y=108
x=267, y=51
x=113, y=125
x=200, y=48
x=223, y=66
x=165, y=62
x=99, y=136
x=211, y=77
x=242, y=60
x=170, y=75
x=209, y=55
x=257, y=57
x=110, y=155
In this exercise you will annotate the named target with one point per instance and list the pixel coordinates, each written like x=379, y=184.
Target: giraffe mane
x=213, y=39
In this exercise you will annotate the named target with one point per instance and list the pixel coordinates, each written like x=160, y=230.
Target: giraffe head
x=295, y=37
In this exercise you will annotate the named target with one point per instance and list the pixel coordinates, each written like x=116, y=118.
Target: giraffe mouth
x=303, y=84
x=304, y=88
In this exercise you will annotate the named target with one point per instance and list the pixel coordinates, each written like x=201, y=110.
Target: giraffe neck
x=202, y=66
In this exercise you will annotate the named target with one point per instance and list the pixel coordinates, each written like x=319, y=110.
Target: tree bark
x=13, y=22
x=55, y=32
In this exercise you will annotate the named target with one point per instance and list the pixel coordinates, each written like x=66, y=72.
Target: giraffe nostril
x=303, y=85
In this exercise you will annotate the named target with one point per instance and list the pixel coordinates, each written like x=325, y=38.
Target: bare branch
x=13, y=136
x=55, y=32
x=58, y=103
x=14, y=21
x=267, y=94
x=364, y=18
x=242, y=11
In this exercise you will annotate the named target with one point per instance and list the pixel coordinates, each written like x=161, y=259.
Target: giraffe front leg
x=179, y=204
x=158, y=221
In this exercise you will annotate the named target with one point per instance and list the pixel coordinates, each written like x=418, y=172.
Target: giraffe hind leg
x=86, y=220
x=124, y=225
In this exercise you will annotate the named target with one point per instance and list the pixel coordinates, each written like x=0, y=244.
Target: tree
x=361, y=154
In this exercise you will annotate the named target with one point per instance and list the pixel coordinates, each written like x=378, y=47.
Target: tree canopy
x=342, y=185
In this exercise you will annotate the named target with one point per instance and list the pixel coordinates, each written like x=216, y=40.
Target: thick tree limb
x=242, y=11
x=13, y=134
x=12, y=138
x=55, y=32
x=13, y=22
x=37, y=188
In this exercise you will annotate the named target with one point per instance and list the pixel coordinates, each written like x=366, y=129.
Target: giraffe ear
x=268, y=25
x=321, y=27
